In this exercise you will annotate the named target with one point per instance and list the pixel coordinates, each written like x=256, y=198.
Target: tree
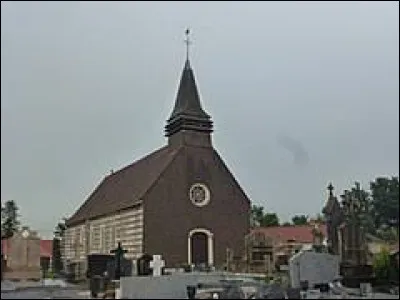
x=389, y=234
x=259, y=218
x=57, y=264
x=381, y=265
x=59, y=232
x=364, y=215
x=270, y=219
x=257, y=214
x=385, y=201
x=10, y=219
x=60, y=229
x=300, y=220
x=319, y=219
x=286, y=224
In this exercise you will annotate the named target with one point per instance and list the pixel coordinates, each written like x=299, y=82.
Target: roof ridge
x=137, y=161
x=179, y=149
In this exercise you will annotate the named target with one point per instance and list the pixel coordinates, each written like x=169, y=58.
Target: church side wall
x=125, y=227
x=72, y=243
x=102, y=235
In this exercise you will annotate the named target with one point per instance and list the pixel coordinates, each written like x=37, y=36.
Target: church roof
x=126, y=187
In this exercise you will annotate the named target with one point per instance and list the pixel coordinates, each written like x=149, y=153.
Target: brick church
x=180, y=201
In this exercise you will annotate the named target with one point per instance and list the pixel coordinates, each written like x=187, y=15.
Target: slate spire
x=188, y=113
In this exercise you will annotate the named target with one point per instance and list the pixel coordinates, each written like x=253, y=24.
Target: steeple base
x=190, y=138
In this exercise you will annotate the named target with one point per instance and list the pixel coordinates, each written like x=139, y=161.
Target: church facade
x=181, y=201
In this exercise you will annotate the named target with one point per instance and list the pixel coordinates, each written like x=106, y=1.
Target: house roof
x=126, y=187
x=299, y=233
x=46, y=247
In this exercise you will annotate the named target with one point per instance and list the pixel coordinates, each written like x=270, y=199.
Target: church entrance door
x=199, y=248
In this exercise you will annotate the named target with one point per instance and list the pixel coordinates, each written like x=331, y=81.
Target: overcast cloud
x=301, y=94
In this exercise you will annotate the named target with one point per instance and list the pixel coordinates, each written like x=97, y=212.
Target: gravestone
x=293, y=293
x=125, y=268
x=143, y=265
x=346, y=235
x=134, y=271
x=98, y=264
x=23, y=262
x=334, y=218
x=156, y=265
x=354, y=267
x=366, y=289
x=118, y=256
x=273, y=291
x=315, y=268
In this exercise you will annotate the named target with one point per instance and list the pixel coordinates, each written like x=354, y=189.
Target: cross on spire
x=187, y=42
x=330, y=189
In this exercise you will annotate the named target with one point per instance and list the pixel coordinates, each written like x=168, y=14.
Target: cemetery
x=313, y=275
x=176, y=224
x=317, y=272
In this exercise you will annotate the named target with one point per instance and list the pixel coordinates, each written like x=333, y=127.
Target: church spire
x=188, y=114
x=187, y=42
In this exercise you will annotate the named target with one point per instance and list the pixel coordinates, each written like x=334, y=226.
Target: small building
x=22, y=255
x=284, y=241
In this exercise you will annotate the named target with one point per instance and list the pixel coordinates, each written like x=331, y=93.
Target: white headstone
x=314, y=267
x=365, y=289
x=134, y=268
x=157, y=264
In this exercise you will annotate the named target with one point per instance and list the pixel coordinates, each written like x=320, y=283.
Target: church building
x=180, y=201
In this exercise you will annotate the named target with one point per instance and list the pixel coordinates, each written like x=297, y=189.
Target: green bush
x=381, y=265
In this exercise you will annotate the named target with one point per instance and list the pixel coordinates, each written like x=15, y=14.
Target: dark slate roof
x=188, y=113
x=188, y=100
x=125, y=188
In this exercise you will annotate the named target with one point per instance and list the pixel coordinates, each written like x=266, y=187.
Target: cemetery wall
x=166, y=287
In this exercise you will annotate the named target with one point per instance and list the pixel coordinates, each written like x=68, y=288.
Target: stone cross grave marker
x=157, y=264
x=119, y=254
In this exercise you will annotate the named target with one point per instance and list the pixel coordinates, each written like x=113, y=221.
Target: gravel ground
x=46, y=293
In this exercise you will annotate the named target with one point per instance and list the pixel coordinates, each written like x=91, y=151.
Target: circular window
x=199, y=194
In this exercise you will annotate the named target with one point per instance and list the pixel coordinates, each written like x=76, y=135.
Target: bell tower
x=188, y=124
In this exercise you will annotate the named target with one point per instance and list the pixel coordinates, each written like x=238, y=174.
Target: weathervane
x=187, y=42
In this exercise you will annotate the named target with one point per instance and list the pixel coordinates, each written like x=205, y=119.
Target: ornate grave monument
x=346, y=235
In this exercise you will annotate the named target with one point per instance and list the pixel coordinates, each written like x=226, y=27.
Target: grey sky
x=301, y=94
